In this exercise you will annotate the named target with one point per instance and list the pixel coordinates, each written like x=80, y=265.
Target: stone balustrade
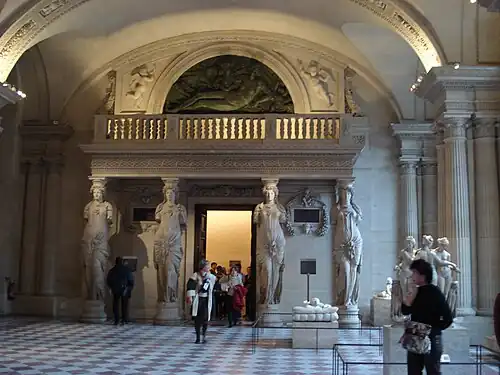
x=181, y=128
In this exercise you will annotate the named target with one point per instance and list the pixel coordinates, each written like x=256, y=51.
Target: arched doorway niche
x=275, y=62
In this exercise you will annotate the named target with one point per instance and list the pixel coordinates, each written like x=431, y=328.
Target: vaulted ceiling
x=395, y=40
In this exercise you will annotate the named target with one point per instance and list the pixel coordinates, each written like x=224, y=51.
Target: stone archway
x=26, y=29
x=286, y=73
x=229, y=84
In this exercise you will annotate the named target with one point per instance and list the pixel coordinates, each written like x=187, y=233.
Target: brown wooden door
x=201, y=236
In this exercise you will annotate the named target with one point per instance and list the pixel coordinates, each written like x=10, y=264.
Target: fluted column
x=408, y=204
x=487, y=215
x=429, y=198
x=441, y=184
x=457, y=199
x=51, y=223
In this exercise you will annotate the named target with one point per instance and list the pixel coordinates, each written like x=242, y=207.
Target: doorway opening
x=226, y=235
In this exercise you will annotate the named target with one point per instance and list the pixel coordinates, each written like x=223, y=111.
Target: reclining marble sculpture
x=315, y=311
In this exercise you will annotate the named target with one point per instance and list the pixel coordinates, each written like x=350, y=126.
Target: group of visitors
x=233, y=294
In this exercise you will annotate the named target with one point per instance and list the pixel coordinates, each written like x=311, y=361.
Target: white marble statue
x=403, y=272
x=348, y=246
x=142, y=77
x=315, y=311
x=428, y=255
x=396, y=301
x=98, y=215
x=168, y=251
x=452, y=298
x=269, y=217
x=444, y=273
x=387, y=292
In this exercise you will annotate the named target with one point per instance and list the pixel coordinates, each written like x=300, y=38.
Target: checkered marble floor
x=32, y=346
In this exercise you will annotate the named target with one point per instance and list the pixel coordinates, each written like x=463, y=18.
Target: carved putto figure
x=403, y=272
x=387, y=292
x=98, y=215
x=319, y=79
x=348, y=246
x=142, y=76
x=269, y=216
x=444, y=276
x=168, y=251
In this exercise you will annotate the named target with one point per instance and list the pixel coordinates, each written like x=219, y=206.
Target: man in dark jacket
x=120, y=281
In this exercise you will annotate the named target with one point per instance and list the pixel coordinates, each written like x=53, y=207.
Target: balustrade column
x=487, y=215
x=51, y=224
x=408, y=207
x=429, y=198
x=457, y=194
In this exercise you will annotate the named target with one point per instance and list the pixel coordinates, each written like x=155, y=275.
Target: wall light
x=473, y=1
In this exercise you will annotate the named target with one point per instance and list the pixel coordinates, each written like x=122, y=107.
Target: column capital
x=484, y=128
x=414, y=139
x=270, y=181
x=98, y=183
x=170, y=182
x=453, y=128
x=408, y=167
x=428, y=168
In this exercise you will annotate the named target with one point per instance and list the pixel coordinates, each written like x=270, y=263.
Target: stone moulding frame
x=306, y=200
x=274, y=61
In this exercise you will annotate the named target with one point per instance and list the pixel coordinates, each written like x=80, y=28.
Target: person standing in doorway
x=250, y=297
x=426, y=305
x=120, y=281
x=200, y=288
x=230, y=284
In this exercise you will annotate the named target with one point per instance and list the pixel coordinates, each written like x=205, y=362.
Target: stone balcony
x=160, y=144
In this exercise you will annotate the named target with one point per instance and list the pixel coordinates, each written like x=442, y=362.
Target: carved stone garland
x=306, y=200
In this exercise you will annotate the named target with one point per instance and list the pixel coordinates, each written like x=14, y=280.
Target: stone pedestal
x=314, y=335
x=455, y=344
x=270, y=316
x=93, y=312
x=380, y=311
x=349, y=317
x=46, y=306
x=167, y=313
x=5, y=304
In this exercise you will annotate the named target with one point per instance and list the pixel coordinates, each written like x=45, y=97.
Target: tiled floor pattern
x=30, y=346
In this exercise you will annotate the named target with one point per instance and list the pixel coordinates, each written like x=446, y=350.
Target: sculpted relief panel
x=229, y=84
x=323, y=84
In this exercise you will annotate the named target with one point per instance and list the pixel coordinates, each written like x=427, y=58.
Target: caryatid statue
x=269, y=217
x=168, y=251
x=348, y=245
x=98, y=216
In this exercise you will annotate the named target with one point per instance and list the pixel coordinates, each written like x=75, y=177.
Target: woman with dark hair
x=233, y=284
x=427, y=306
x=200, y=289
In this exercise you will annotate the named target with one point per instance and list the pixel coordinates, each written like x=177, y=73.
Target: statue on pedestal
x=444, y=276
x=387, y=292
x=348, y=246
x=98, y=215
x=403, y=272
x=269, y=217
x=168, y=251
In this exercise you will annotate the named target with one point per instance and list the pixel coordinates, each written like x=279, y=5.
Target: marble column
x=51, y=223
x=408, y=206
x=457, y=199
x=487, y=215
x=429, y=198
x=441, y=184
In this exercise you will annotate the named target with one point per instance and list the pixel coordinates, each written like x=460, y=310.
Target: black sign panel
x=308, y=266
x=306, y=215
x=143, y=214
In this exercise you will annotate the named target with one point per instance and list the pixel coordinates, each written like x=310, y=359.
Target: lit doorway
x=225, y=234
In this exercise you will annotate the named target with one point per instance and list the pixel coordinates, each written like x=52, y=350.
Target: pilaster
x=414, y=148
x=487, y=221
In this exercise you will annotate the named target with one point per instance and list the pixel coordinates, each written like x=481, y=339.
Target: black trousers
x=431, y=362
x=233, y=316
x=201, y=318
x=120, y=301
